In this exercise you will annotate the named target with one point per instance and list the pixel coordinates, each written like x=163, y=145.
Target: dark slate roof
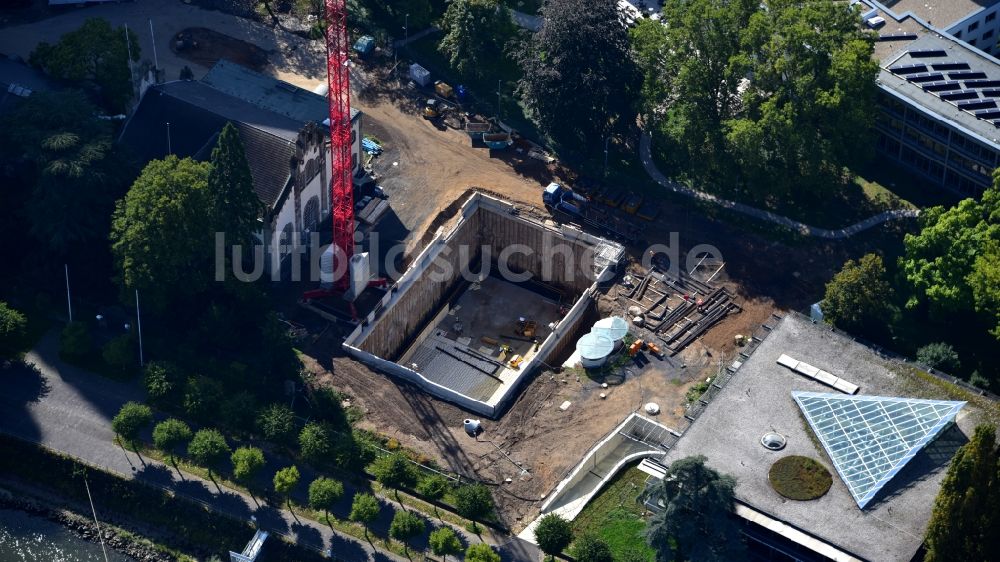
x=269, y=93
x=197, y=113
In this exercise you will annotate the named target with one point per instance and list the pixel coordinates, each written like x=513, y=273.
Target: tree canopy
x=952, y=262
x=94, y=55
x=859, y=298
x=233, y=204
x=579, y=76
x=591, y=548
x=553, y=534
x=696, y=522
x=405, y=526
x=364, y=509
x=775, y=95
x=12, y=328
x=161, y=234
x=477, y=33
x=474, y=501
x=170, y=434
x=324, y=493
x=285, y=480
x=132, y=418
x=444, y=542
x=208, y=448
x=69, y=166
x=395, y=471
x=966, y=513
x=247, y=462
x=481, y=552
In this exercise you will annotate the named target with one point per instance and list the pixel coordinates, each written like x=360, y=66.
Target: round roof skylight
x=773, y=441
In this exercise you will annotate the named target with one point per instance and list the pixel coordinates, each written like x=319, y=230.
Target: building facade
x=282, y=127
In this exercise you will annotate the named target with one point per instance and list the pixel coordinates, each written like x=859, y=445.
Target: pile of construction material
x=674, y=309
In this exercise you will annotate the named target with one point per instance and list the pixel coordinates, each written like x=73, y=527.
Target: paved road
x=645, y=154
x=69, y=410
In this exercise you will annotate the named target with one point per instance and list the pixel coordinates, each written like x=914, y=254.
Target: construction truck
x=569, y=206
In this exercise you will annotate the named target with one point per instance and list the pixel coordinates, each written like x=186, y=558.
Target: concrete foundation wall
x=423, y=287
x=549, y=256
x=416, y=299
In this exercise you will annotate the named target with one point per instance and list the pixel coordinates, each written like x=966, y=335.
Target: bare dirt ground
x=427, y=166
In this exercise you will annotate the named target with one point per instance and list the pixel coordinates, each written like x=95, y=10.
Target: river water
x=28, y=538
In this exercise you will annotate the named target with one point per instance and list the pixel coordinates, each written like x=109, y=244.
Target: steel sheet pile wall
x=435, y=275
x=549, y=250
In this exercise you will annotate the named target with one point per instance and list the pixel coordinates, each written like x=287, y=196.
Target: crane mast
x=339, y=99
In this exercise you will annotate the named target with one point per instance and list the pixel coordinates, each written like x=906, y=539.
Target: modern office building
x=938, y=89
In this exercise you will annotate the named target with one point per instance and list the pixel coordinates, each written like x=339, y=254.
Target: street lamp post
x=406, y=29
x=498, y=99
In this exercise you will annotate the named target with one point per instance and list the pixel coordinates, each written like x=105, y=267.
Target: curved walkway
x=645, y=154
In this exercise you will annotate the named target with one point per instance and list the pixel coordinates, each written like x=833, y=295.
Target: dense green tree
x=474, y=501
x=985, y=281
x=162, y=236
x=942, y=257
x=939, y=355
x=477, y=33
x=285, y=480
x=591, y=548
x=12, y=328
x=75, y=340
x=95, y=54
x=364, y=509
x=202, y=397
x=315, y=443
x=693, y=68
x=405, y=526
x=170, y=434
x=324, y=493
x=247, y=462
x=696, y=522
x=132, y=418
x=433, y=487
x=163, y=381
x=395, y=471
x=234, y=207
x=950, y=262
x=579, y=76
x=481, y=552
x=239, y=411
x=277, y=423
x=807, y=111
x=121, y=353
x=966, y=517
x=444, y=542
x=208, y=448
x=553, y=534
x=327, y=406
x=68, y=161
x=859, y=298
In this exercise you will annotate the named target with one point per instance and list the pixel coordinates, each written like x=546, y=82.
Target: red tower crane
x=338, y=78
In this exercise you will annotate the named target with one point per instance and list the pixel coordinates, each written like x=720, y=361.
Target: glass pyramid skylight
x=871, y=438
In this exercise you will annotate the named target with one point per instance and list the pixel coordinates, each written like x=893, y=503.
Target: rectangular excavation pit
x=442, y=325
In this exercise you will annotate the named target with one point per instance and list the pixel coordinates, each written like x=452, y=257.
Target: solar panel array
x=871, y=438
x=954, y=82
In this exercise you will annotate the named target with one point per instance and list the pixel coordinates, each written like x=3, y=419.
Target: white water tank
x=594, y=350
x=614, y=327
x=361, y=273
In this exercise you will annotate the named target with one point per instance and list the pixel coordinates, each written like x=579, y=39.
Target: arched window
x=310, y=214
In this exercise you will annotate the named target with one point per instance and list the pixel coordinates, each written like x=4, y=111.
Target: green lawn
x=616, y=515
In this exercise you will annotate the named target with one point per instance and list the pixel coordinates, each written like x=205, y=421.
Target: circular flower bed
x=799, y=478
